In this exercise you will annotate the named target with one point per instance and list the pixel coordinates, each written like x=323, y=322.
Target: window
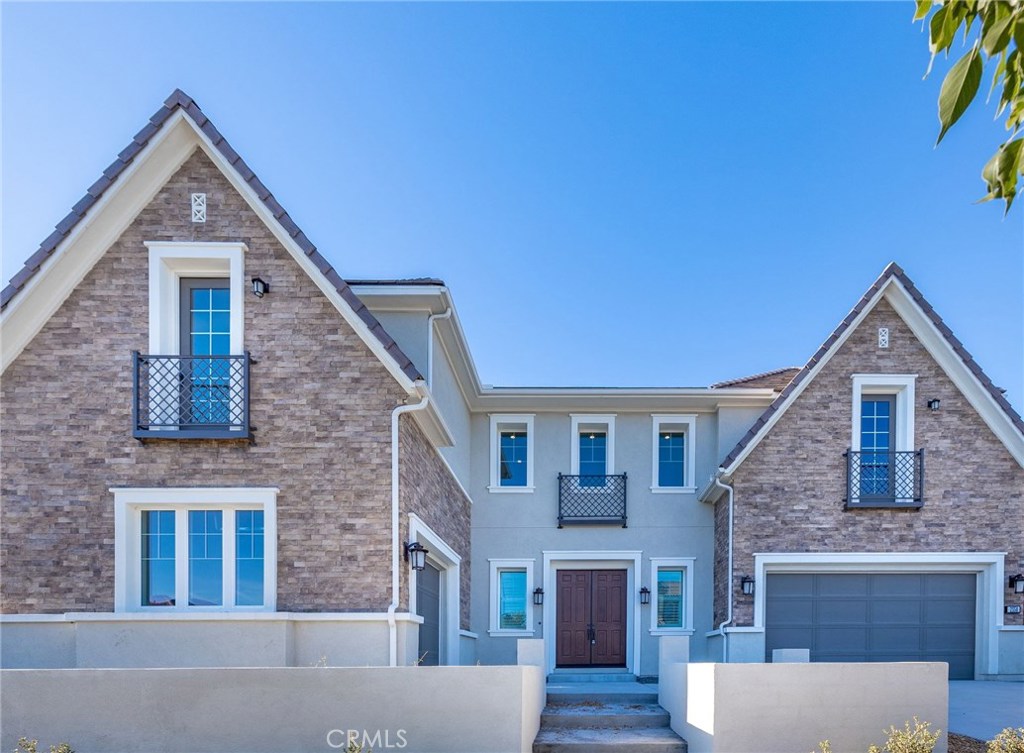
x=593, y=449
x=673, y=451
x=178, y=549
x=511, y=453
x=882, y=467
x=672, y=612
x=511, y=597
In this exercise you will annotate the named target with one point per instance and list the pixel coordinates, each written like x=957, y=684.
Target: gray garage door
x=854, y=617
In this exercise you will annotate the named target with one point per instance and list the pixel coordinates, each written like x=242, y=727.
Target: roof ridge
x=892, y=270
x=178, y=99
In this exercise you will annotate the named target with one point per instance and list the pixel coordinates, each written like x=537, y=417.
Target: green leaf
x=939, y=37
x=923, y=7
x=1000, y=68
x=958, y=89
x=997, y=35
x=1001, y=172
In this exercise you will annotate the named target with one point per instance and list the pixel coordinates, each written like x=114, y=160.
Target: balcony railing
x=190, y=397
x=592, y=499
x=884, y=479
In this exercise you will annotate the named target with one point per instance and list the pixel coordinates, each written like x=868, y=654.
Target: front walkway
x=982, y=709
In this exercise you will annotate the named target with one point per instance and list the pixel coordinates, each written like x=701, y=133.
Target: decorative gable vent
x=199, y=207
x=883, y=337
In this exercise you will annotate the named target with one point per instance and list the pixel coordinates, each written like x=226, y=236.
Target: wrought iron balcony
x=190, y=397
x=884, y=479
x=592, y=499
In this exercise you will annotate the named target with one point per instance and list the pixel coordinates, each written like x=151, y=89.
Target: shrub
x=1008, y=741
x=29, y=746
x=920, y=739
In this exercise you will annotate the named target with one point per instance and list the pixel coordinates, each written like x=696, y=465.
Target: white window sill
x=510, y=633
x=510, y=489
x=673, y=490
x=671, y=631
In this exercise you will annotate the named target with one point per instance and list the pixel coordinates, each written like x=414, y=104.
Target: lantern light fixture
x=645, y=596
x=416, y=555
x=538, y=596
x=747, y=585
x=933, y=404
x=259, y=287
x=1017, y=583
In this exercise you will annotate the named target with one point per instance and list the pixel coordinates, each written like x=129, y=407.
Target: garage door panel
x=897, y=639
x=840, y=611
x=842, y=585
x=841, y=639
x=895, y=612
x=875, y=617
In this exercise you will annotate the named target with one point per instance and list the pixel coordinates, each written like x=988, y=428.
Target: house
x=219, y=452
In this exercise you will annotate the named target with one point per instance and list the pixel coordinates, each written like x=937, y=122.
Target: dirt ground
x=964, y=744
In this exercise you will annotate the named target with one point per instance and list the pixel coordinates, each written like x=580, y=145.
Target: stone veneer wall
x=426, y=487
x=790, y=490
x=320, y=399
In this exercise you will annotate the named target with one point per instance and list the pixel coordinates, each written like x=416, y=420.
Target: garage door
x=868, y=617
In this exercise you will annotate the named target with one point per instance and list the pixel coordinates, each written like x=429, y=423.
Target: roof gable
x=163, y=133
x=896, y=287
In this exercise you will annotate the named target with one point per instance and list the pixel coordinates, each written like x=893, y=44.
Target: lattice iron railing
x=884, y=479
x=191, y=397
x=592, y=499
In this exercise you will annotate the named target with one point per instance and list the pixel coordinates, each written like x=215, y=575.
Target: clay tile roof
x=776, y=379
x=180, y=100
x=891, y=271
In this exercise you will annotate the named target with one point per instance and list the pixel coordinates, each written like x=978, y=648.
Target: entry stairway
x=604, y=711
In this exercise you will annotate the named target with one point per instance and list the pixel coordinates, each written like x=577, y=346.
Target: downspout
x=392, y=624
x=430, y=342
x=729, y=586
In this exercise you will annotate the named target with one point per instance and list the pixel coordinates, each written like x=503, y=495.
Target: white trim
x=597, y=419
x=168, y=263
x=468, y=634
x=899, y=385
x=210, y=617
x=686, y=564
x=128, y=505
x=689, y=421
x=448, y=561
x=497, y=420
x=629, y=560
x=987, y=565
x=496, y=566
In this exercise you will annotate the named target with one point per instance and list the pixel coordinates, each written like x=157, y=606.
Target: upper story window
x=883, y=467
x=511, y=453
x=195, y=548
x=673, y=443
x=592, y=454
x=193, y=382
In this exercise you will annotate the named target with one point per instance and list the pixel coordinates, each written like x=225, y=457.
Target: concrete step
x=621, y=676
x=599, y=714
x=604, y=692
x=595, y=740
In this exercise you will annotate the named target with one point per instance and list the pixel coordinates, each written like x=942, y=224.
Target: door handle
x=591, y=634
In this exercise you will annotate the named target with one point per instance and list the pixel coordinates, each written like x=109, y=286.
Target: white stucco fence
x=790, y=707
x=281, y=710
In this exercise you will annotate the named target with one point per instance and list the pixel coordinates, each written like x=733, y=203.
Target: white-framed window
x=195, y=549
x=592, y=452
x=672, y=595
x=511, y=611
x=882, y=437
x=512, y=442
x=673, y=453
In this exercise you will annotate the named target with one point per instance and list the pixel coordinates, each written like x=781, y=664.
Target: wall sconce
x=1017, y=583
x=416, y=555
x=259, y=287
x=645, y=596
x=747, y=585
x=933, y=404
x=538, y=596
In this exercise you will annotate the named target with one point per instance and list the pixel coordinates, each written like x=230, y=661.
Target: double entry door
x=591, y=618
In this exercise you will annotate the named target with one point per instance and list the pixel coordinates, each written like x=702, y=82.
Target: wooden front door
x=591, y=618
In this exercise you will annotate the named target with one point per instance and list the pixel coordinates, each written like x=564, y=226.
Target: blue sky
x=617, y=194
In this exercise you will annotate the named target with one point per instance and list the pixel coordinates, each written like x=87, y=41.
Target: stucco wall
x=781, y=708
x=320, y=399
x=790, y=490
x=255, y=710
